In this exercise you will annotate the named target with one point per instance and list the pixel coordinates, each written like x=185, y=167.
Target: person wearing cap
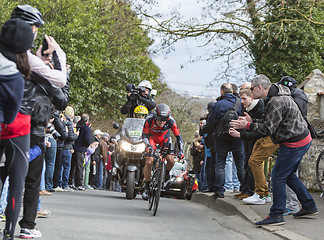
x=15, y=38
x=138, y=96
x=80, y=147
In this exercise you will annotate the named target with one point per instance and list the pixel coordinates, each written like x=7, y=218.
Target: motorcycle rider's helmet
x=146, y=84
x=29, y=14
x=162, y=112
x=140, y=112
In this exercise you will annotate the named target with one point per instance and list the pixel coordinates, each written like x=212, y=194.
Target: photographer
x=138, y=96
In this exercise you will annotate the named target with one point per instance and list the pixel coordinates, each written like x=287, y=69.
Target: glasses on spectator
x=251, y=88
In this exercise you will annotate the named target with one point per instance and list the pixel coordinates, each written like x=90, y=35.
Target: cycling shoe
x=145, y=195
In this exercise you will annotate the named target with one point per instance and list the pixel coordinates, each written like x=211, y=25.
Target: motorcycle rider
x=156, y=130
x=138, y=96
x=140, y=112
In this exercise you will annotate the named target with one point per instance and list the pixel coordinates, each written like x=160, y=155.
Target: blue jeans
x=50, y=156
x=220, y=169
x=99, y=175
x=66, y=167
x=283, y=172
x=231, y=179
x=4, y=196
x=42, y=181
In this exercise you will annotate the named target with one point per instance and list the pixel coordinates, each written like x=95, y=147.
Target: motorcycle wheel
x=130, y=185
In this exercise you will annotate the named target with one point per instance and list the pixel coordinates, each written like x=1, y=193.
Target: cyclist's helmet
x=288, y=82
x=140, y=111
x=29, y=14
x=162, y=112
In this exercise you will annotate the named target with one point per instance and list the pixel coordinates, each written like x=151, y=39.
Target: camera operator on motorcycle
x=140, y=95
x=157, y=131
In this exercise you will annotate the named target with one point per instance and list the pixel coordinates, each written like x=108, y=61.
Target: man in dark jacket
x=225, y=145
x=80, y=147
x=284, y=123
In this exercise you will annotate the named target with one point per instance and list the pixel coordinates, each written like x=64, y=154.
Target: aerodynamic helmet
x=140, y=111
x=29, y=14
x=146, y=84
x=162, y=112
x=288, y=82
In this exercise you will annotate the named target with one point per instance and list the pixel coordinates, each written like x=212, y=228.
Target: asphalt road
x=95, y=215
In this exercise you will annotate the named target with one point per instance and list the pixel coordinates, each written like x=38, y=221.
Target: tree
x=275, y=37
x=105, y=46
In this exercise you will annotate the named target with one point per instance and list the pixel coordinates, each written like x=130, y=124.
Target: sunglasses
x=251, y=88
x=162, y=119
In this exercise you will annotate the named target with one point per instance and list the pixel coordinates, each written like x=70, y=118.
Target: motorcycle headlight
x=135, y=148
x=179, y=179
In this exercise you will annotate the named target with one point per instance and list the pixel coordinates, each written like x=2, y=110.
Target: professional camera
x=51, y=129
x=134, y=94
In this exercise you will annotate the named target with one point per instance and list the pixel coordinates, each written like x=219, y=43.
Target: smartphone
x=45, y=47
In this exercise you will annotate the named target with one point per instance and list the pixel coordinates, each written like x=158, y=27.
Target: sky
x=193, y=79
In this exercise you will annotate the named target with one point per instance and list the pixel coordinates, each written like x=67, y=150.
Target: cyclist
x=140, y=95
x=140, y=112
x=156, y=130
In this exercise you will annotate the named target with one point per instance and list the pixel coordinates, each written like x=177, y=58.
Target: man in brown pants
x=263, y=148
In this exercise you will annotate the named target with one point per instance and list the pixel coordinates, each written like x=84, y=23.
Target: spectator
x=224, y=144
x=285, y=124
x=67, y=149
x=255, y=108
x=80, y=147
x=15, y=39
x=90, y=150
x=197, y=153
x=209, y=136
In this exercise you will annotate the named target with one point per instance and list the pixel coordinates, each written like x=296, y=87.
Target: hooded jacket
x=283, y=121
x=11, y=90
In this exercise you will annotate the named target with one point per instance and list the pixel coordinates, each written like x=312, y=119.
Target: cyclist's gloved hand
x=180, y=155
x=149, y=149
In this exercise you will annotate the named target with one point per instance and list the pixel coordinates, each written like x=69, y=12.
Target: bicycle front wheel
x=320, y=171
x=152, y=189
x=158, y=189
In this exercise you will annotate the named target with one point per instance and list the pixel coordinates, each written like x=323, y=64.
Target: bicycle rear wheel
x=159, y=187
x=320, y=171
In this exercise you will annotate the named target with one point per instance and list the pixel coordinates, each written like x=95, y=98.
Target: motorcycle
x=129, y=155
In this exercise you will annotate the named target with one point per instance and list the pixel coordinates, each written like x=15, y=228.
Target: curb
x=231, y=206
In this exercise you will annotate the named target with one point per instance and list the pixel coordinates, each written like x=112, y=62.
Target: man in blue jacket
x=225, y=144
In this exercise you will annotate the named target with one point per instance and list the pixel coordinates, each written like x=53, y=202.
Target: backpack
x=223, y=125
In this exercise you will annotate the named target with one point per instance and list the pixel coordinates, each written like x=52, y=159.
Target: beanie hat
x=69, y=111
x=105, y=135
x=288, y=82
x=17, y=35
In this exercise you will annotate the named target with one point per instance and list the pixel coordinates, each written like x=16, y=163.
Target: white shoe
x=58, y=189
x=254, y=199
x=29, y=233
x=268, y=199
